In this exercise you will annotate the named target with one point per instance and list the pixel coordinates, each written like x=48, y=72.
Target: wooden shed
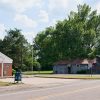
x=72, y=66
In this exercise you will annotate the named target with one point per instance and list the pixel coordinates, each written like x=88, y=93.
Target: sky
x=33, y=16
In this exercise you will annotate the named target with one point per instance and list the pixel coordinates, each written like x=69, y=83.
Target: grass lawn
x=49, y=74
x=71, y=76
x=8, y=83
x=37, y=72
x=5, y=84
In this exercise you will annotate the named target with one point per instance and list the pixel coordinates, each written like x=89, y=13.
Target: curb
x=68, y=78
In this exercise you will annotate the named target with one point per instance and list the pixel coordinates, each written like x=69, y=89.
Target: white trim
x=2, y=69
x=5, y=58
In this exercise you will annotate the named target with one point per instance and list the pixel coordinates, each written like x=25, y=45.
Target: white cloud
x=43, y=16
x=53, y=22
x=98, y=7
x=29, y=36
x=25, y=21
x=45, y=13
x=79, y=1
x=2, y=31
x=21, y=5
x=54, y=4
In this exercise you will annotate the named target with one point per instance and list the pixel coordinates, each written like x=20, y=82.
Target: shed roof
x=5, y=59
x=76, y=61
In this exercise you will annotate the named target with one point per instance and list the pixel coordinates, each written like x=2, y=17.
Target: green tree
x=16, y=46
x=74, y=37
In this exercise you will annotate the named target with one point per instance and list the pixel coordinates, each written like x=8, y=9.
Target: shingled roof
x=76, y=61
x=5, y=59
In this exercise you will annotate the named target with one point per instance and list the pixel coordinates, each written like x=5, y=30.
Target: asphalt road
x=75, y=90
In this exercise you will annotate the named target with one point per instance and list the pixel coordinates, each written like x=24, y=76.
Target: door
x=69, y=70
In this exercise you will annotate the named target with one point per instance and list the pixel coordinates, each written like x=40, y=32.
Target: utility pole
x=21, y=55
x=32, y=55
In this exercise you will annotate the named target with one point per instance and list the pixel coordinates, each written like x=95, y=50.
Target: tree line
x=77, y=36
x=15, y=46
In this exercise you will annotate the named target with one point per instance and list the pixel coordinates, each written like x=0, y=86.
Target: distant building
x=96, y=66
x=73, y=66
x=5, y=65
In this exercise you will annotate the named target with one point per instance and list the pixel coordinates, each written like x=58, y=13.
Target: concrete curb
x=91, y=78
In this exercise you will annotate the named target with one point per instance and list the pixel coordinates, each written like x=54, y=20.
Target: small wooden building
x=96, y=66
x=72, y=66
x=5, y=65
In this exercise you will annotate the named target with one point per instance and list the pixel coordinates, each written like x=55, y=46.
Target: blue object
x=18, y=76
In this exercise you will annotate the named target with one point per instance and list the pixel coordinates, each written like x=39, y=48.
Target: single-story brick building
x=5, y=65
x=73, y=66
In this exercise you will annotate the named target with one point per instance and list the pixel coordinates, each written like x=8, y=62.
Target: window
x=83, y=65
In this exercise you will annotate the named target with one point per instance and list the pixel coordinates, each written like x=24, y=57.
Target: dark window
x=82, y=65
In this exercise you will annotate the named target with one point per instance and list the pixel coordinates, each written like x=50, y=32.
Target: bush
x=82, y=72
x=13, y=71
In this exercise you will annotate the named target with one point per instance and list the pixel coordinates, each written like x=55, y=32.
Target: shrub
x=82, y=72
x=13, y=71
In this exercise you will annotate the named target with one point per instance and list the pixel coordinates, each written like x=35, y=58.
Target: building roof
x=76, y=61
x=5, y=59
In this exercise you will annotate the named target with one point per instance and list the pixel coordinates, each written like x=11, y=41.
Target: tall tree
x=74, y=37
x=16, y=46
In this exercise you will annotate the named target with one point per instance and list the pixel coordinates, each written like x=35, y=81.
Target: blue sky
x=33, y=16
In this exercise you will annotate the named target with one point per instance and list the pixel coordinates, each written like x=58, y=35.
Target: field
x=5, y=83
x=70, y=76
x=37, y=72
x=49, y=74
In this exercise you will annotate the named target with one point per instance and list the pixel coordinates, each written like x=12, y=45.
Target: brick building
x=5, y=65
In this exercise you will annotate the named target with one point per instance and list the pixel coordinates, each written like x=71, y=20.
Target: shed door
x=69, y=70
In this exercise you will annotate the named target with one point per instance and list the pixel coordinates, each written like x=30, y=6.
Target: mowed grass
x=5, y=83
x=71, y=76
x=37, y=72
x=49, y=74
x=8, y=83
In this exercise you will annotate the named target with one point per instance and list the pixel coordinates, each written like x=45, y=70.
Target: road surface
x=74, y=90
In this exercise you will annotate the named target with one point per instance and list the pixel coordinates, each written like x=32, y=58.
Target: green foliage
x=37, y=72
x=74, y=37
x=13, y=71
x=77, y=36
x=16, y=47
x=82, y=72
x=36, y=66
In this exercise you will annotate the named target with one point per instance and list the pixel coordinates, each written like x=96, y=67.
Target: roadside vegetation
x=74, y=76
x=37, y=72
x=5, y=83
